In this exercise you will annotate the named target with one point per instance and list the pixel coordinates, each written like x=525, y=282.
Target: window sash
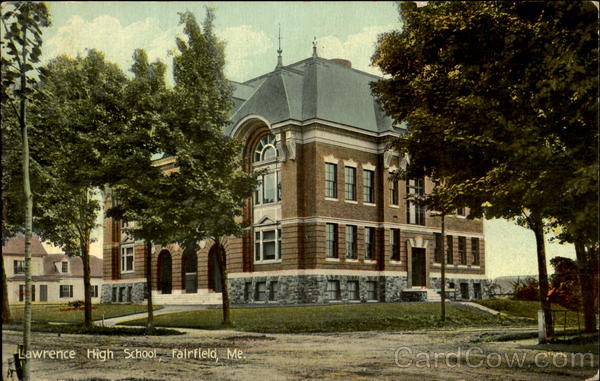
x=333, y=290
x=330, y=180
x=462, y=250
x=415, y=214
x=350, y=184
x=449, y=250
x=65, y=267
x=332, y=238
x=394, y=190
x=127, y=257
x=352, y=288
x=475, y=250
x=369, y=242
x=267, y=245
x=351, y=242
x=368, y=186
x=437, y=257
x=371, y=290
x=395, y=244
x=261, y=291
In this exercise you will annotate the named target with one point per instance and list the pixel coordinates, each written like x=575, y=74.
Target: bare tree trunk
x=587, y=287
x=537, y=226
x=224, y=290
x=150, y=322
x=443, y=254
x=28, y=221
x=87, y=285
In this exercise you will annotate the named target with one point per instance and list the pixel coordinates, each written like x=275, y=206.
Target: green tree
x=211, y=188
x=140, y=192
x=488, y=120
x=79, y=108
x=21, y=50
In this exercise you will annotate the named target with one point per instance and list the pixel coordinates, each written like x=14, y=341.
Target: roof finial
x=279, y=51
x=314, y=43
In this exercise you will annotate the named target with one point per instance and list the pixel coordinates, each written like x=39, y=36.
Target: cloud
x=358, y=48
x=117, y=41
x=244, y=44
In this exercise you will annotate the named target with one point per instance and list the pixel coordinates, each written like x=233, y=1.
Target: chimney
x=341, y=61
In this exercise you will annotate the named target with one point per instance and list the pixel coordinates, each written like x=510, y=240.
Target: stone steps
x=433, y=295
x=201, y=297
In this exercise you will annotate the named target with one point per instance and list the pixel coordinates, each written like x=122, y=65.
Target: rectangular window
x=352, y=287
x=333, y=289
x=43, y=293
x=21, y=292
x=449, y=250
x=18, y=267
x=268, y=189
x=332, y=241
x=415, y=214
x=114, y=295
x=64, y=267
x=260, y=293
x=350, y=185
x=461, y=212
x=369, y=243
x=351, y=252
x=368, y=186
x=475, y=250
x=247, y=290
x=437, y=257
x=267, y=245
x=129, y=293
x=127, y=259
x=464, y=291
x=462, y=250
x=477, y=290
x=331, y=180
x=394, y=192
x=66, y=291
x=371, y=290
x=273, y=290
x=33, y=292
x=94, y=291
x=395, y=244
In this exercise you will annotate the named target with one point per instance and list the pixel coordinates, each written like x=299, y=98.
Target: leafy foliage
x=566, y=290
x=528, y=289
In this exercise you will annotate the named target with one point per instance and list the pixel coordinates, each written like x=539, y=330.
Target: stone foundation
x=313, y=289
x=457, y=294
x=123, y=292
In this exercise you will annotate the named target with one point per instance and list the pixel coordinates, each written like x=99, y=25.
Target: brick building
x=326, y=223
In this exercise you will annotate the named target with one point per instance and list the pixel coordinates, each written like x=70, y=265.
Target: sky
x=250, y=30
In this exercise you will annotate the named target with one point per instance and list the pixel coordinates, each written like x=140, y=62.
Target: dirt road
x=229, y=355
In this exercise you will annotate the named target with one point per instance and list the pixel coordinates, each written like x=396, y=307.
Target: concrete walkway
x=480, y=307
x=165, y=310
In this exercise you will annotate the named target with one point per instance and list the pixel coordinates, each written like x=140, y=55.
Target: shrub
x=528, y=289
x=77, y=303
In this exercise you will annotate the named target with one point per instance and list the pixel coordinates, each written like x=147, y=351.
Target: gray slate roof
x=309, y=89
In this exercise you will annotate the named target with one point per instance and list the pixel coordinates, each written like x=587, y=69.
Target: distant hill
x=505, y=284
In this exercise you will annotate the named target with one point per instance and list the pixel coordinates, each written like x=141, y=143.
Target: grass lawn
x=335, y=318
x=53, y=313
x=95, y=330
x=529, y=309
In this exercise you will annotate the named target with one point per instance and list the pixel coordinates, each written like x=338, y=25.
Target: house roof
x=75, y=265
x=314, y=88
x=16, y=246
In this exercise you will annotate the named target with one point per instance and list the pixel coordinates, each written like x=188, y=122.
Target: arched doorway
x=189, y=269
x=214, y=273
x=164, y=272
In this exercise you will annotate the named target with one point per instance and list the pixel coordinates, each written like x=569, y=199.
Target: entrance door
x=190, y=271
x=214, y=273
x=164, y=272
x=418, y=267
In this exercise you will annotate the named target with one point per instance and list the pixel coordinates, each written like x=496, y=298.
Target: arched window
x=265, y=149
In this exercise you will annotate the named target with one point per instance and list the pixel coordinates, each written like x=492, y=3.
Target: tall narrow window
x=372, y=290
x=395, y=244
x=351, y=242
x=332, y=240
x=18, y=267
x=330, y=180
x=461, y=212
x=462, y=250
x=369, y=243
x=269, y=185
x=475, y=250
x=368, y=186
x=449, y=250
x=350, y=185
x=127, y=259
x=437, y=257
x=415, y=214
x=393, y=192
